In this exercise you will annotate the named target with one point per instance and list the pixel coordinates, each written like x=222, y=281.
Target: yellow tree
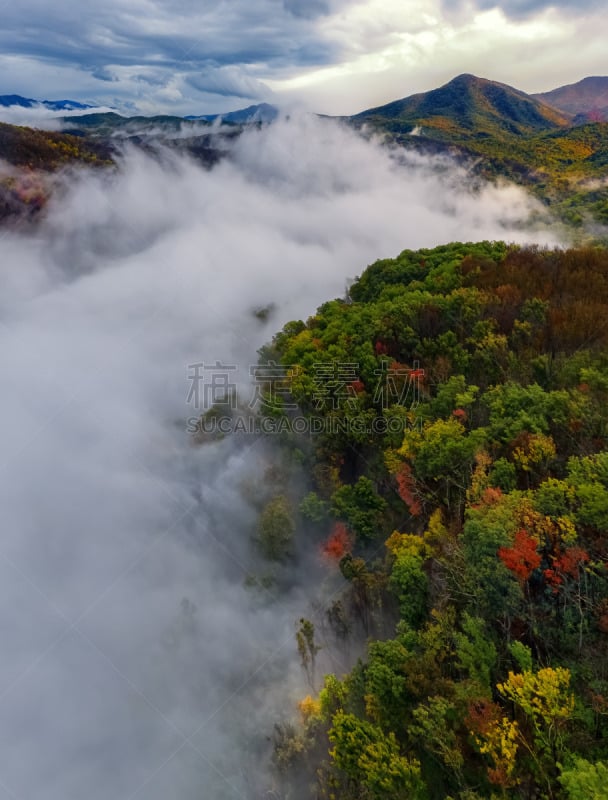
x=544, y=700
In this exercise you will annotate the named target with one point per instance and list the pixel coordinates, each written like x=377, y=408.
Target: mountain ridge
x=494, y=130
x=470, y=106
x=11, y=100
x=261, y=112
x=586, y=99
x=576, y=103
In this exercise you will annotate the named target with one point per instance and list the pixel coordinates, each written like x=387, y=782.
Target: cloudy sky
x=335, y=56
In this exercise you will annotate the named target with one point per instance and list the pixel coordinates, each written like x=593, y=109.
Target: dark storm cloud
x=308, y=9
x=164, y=33
x=193, y=51
x=228, y=81
x=103, y=75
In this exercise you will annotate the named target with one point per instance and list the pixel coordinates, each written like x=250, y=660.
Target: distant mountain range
x=263, y=112
x=465, y=103
x=260, y=113
x=8, y=100
x=110, y=123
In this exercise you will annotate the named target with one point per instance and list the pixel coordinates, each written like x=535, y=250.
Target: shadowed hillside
x=587, y=99
x=27, y=147
x=468, y=107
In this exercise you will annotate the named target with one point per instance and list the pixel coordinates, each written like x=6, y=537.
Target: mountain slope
x=27, y=159
x=587, y=99
x=467, y=108
x=45, y=150
x=263, y=112
x=500, y=131
x=456, y=521
x=109, y=123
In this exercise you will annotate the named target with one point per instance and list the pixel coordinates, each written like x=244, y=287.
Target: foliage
x=544, y=699
x=372, y=761
x=360, y=506
x=46, y=150
x=276, y=528
x=472, y=534
x=583, y=780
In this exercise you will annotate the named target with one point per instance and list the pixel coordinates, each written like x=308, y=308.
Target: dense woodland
x=473, y=533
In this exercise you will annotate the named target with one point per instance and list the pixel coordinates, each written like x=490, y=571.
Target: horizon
x=135, y=112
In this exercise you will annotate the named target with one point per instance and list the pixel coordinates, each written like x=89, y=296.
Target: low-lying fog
x=136, y=661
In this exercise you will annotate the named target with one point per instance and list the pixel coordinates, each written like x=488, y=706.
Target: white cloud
x=44, y=118
x=405, y=58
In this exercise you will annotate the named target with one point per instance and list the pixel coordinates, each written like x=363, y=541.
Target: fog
x=136, y=660
x=39, y=116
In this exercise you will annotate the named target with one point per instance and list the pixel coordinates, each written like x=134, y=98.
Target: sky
x=330, y=56
x=137, y=659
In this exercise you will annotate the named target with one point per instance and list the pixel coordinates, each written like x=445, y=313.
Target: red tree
x=338, y=543
x=522, y=559
x=407, y=486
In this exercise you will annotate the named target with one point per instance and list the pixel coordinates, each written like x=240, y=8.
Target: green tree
x=475, y=653
x=442, y=456
x=408, y=578
x=307, y=648
x=276, y=529
x=372, y=761
x=583, y=780
x=360, y=506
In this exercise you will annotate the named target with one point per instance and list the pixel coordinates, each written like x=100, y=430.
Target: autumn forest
x=472, y=537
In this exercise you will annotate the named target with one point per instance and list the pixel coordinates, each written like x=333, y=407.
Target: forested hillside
x=46, y=150
x=499, y=131
x=461, y=488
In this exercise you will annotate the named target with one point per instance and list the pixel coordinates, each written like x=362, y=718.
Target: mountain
x=196, y=137
x=494, y=130
x=8, y=100
x=499, y=131
x=467, y=107
x=65, y=105
x=263, y=112
x=28, y=157
x=587, y=99
x=110, y=123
